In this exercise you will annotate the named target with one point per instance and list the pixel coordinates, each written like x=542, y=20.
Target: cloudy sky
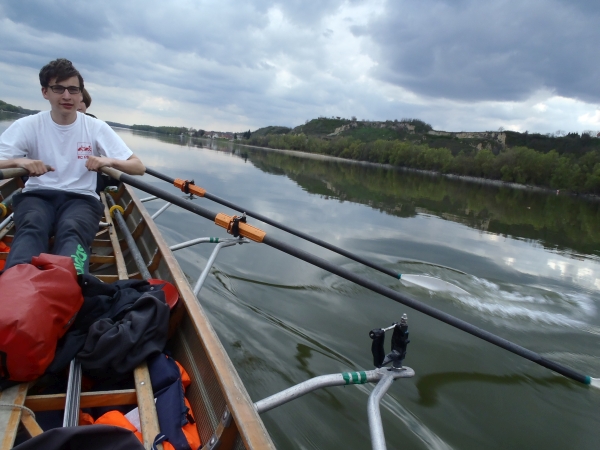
x=460, y=65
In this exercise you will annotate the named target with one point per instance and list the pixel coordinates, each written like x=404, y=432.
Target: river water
x=529, y=262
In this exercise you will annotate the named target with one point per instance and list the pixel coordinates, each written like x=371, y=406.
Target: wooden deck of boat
x=225, y=414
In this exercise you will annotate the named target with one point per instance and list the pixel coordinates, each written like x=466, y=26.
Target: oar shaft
x=362, y=281
x=8, y=200
x=7, y=203
x=162, y=176
x=172, y=198
x=426, y=309
x=15, y=172
x=286, y=228
x=133, y=248
x=304, y=236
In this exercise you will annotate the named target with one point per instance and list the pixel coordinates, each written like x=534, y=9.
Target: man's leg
x=34, y=219
x=77, y=221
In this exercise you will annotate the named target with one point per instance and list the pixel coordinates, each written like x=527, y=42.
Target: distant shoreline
x=469, y=179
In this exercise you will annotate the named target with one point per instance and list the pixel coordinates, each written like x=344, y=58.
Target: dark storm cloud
x=101, y=36
x=501, y=50
x=274, y=62
x=84, y=20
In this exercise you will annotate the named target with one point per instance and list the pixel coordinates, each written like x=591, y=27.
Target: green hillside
x=570, y=162
x=16, y=109
x=271, y=130
x=412, y=130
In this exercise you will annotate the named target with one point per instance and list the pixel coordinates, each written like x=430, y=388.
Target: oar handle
x=5, y=174
x=113, y=173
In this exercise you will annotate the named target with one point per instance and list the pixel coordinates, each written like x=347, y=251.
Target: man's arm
x=132, y=166
x=13, y=148
x=34, y=166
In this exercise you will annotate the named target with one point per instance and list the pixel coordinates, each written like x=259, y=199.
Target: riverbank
x=433, y=173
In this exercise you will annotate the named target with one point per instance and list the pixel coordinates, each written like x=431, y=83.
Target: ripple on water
x=529, y=308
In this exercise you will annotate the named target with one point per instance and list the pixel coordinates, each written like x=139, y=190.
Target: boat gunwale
x=251, y=428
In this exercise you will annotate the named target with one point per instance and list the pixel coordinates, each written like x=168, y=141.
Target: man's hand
x=96, y=163
x=35, y=167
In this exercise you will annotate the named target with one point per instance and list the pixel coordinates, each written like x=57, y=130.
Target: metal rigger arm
x=384, y=377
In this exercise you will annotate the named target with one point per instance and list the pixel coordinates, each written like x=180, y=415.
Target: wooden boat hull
x=221, y=404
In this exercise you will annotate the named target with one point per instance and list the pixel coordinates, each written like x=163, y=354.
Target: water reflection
x=562, y=224
x=429, y=386
x=557, y=222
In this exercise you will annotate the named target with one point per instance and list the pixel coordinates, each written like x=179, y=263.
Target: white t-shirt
x=64, y=147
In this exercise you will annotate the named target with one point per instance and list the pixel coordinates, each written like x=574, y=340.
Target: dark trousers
x=71, y=218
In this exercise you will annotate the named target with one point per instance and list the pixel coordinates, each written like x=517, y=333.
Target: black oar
x=425, y=281
x=257, y=235
x=7, y=203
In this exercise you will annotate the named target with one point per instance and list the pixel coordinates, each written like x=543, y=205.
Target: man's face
x=82, y=108
x=64, y=104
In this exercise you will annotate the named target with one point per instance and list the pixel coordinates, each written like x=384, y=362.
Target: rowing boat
x=225, y=415
x=130, y=246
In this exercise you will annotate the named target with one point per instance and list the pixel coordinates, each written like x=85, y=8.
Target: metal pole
x=192, y=242
x=211, y=261
x=6, y=221
x=161, y=210
x=375, y=425
x=71, y=417
x=4, y=231
x=212, y=240
x=336, y=379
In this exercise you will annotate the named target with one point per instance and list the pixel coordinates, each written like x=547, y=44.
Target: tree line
x=566, y=224
x=15, y=109
x=161, y=130
x=574, y=171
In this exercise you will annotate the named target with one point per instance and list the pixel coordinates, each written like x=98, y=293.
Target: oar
x=5, y=174
x=257, y=235
x=7, y=203
x=428, y=282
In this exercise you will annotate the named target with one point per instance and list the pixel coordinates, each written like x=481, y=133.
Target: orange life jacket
x=119, y=419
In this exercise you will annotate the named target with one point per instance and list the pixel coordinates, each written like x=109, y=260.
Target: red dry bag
x=3, y=249
x=38, y=303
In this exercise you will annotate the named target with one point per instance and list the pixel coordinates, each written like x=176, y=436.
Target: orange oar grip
x=192, y=188
x=247, y=231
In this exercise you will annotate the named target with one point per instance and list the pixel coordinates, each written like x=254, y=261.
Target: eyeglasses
x=58, y=89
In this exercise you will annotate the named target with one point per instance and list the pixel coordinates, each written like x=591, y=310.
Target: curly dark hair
x=87, y=98
x=60, y=68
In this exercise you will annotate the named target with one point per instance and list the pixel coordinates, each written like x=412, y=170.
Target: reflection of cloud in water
x=558, y=265
x=572, y=269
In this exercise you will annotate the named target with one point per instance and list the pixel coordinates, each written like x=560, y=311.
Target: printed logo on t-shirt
x=84, y=150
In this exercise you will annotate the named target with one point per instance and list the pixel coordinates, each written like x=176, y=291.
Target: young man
x=60, y=201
